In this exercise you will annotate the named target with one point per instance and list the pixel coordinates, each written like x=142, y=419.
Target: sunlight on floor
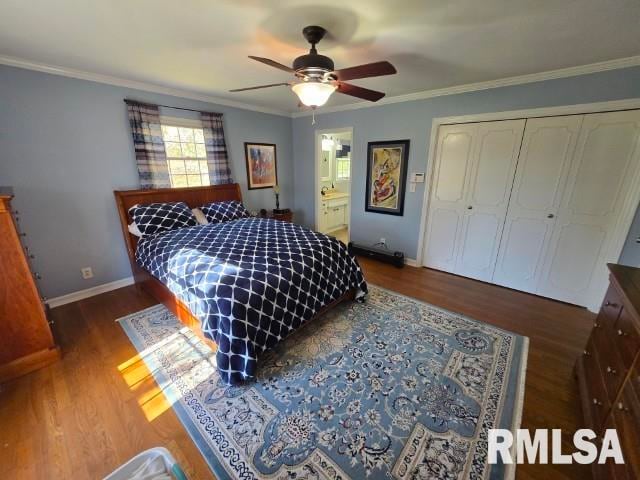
x=150, y=395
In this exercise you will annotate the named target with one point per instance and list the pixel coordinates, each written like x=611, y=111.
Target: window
x=186, y=155
x=342, y=167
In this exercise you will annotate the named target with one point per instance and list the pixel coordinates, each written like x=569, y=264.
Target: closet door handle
x=551, y=215
x=470, y=207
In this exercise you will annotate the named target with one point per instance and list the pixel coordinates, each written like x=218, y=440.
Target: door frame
x=316, y=177
x=631, y=203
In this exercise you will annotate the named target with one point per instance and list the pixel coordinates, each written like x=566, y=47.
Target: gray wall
x=412, y=120
x=65, y=145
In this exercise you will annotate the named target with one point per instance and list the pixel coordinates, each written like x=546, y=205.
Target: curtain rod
x=127, y=101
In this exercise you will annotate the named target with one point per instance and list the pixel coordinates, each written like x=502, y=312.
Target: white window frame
x=342, y=160
x=186, y=123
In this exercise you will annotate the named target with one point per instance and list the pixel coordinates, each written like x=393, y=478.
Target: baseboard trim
x=89, y=292
x=412, y=262
x=124, y=282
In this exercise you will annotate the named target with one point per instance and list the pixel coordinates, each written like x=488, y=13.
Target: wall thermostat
x=417, y=177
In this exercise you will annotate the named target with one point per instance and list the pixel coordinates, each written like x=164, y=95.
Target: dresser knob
x=610, y=304
x=586, y=353
x=596, y=325
x=622, y=408
x=621, y=333
x=597, y=402
x=610, y=370
x=550, y=215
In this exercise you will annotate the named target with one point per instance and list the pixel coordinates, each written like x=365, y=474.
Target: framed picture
x=386, y=176
x=262, y=166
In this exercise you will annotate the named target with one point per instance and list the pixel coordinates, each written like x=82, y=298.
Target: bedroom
x=497, y=150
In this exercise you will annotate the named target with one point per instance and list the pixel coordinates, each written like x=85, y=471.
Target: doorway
x=333, y=182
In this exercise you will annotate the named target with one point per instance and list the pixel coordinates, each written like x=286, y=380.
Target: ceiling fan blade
x=359, y=92
x=272, y=63
x=376, y=69
x=259, y=86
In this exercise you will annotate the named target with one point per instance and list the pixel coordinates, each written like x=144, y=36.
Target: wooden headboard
x=192, y=196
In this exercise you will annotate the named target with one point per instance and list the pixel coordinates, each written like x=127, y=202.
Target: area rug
x=388, y=388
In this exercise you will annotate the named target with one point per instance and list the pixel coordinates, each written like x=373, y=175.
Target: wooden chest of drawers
x=609, y=371
x=26, y=342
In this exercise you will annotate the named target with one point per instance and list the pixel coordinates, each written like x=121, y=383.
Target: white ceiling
x=202, y=45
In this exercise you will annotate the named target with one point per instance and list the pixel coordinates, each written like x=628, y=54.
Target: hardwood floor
x=87, y=414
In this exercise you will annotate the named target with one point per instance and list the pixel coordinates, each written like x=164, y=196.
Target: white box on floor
x=153, y=464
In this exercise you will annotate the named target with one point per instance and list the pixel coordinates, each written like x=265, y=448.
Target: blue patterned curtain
x=217, y=156
x=149, y=146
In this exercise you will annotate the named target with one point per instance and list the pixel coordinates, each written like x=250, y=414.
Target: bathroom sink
x=334, y=195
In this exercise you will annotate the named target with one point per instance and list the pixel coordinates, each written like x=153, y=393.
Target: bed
x=242, y=285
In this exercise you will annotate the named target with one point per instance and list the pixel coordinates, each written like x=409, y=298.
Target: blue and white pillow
x=162, y=217
x=218, y=212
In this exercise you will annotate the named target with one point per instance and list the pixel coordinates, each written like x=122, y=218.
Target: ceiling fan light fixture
x=313, y=94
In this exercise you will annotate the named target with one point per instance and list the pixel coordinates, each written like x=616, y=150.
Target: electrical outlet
x=87, y=273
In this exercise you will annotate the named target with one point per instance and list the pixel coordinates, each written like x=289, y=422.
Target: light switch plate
x=417, y=177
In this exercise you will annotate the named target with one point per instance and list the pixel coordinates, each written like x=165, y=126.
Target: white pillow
x=134, y=230
x=200, y=216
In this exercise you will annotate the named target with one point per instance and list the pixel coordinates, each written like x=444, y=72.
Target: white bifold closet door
x=473, y=176
x=603, y=170
x=543, y=166
x=539, y=207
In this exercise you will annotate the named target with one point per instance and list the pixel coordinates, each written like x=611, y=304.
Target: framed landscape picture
x=262, y=167
x=386, y=176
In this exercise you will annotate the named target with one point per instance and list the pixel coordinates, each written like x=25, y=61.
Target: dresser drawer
x=626, y=414
x=612, y=368
x=611, y=470
x=595, y=399
x=610, y=309
x=627, y=337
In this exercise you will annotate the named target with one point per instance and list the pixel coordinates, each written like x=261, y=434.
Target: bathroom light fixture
x=327, y=143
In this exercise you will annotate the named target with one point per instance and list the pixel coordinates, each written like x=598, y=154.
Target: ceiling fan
x=317, y=79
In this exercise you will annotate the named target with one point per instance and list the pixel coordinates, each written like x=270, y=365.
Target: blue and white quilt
x=251, y=282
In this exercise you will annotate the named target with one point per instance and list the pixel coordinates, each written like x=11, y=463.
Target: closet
x=534, y=204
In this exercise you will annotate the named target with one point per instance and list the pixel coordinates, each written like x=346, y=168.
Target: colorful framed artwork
x=386, y=176
x=262, y=166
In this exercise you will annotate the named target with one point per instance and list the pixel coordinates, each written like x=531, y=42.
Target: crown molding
x=135, y=84
x=472, y=87
x=177, y=92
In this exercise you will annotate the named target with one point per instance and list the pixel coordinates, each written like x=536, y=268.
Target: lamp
x=276, y=190
x=313, y=94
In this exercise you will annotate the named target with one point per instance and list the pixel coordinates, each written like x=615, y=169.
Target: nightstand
x=285, y=217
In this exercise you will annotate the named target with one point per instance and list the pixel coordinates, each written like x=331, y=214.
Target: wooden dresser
x=608, y=371
x=27, y=343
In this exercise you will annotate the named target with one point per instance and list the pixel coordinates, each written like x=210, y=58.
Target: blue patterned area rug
x=390, y=388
